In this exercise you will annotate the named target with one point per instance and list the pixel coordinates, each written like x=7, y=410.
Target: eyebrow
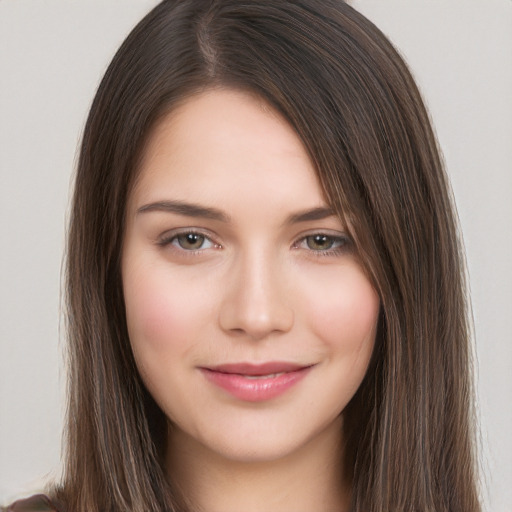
x=319, y=213
x=205, y=212
x=187, y=209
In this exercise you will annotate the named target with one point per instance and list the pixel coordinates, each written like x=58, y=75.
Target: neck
x=309, y=479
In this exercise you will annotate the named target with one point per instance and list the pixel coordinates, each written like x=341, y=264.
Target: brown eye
x=187, y=241
x=320, y=242
x=190, y=241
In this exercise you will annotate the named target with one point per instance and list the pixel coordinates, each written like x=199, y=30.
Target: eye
x=188, y=241
x=322, y=243
x=191, y=241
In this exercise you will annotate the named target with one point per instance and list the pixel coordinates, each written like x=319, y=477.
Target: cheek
x=162, y=312
x=344, y=317
x=344, y=313
x=151, y=312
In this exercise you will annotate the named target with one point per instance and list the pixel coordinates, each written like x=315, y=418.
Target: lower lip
x=255, y=390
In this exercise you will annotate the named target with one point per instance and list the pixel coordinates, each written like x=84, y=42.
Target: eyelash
x=168, y=240
x=341, y=243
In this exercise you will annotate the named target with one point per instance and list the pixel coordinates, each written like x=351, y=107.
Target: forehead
x=225, y=142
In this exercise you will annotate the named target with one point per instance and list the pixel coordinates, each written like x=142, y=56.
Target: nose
x=256, y=301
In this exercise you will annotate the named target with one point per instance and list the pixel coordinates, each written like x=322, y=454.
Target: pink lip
x=236, y=379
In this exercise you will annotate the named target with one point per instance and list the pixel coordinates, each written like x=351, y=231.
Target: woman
x=266, y=298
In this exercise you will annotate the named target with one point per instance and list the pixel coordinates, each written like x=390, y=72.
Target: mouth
x=256, y=382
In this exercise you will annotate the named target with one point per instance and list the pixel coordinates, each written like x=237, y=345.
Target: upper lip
x=257, y=369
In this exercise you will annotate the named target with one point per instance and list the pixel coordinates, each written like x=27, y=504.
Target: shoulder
x=36, y=503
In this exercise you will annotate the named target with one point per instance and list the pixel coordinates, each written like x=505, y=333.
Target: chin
x=255, y=451
x=260, y=443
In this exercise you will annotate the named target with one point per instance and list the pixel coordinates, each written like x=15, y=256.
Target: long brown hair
x=351, y=99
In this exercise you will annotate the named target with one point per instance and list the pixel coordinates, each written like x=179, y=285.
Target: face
x=251, y=320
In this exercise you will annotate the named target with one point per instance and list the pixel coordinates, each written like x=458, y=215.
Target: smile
x=256, y=383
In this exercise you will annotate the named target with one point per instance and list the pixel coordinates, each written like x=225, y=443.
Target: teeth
x=269, y=376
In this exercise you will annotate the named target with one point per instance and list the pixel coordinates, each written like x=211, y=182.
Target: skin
x=255, y=285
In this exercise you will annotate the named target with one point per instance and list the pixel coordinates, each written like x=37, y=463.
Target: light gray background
x=52, y=55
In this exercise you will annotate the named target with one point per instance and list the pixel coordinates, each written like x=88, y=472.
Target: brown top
x=37, y=503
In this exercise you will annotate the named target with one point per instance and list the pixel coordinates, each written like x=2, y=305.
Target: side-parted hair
x=353, y=103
